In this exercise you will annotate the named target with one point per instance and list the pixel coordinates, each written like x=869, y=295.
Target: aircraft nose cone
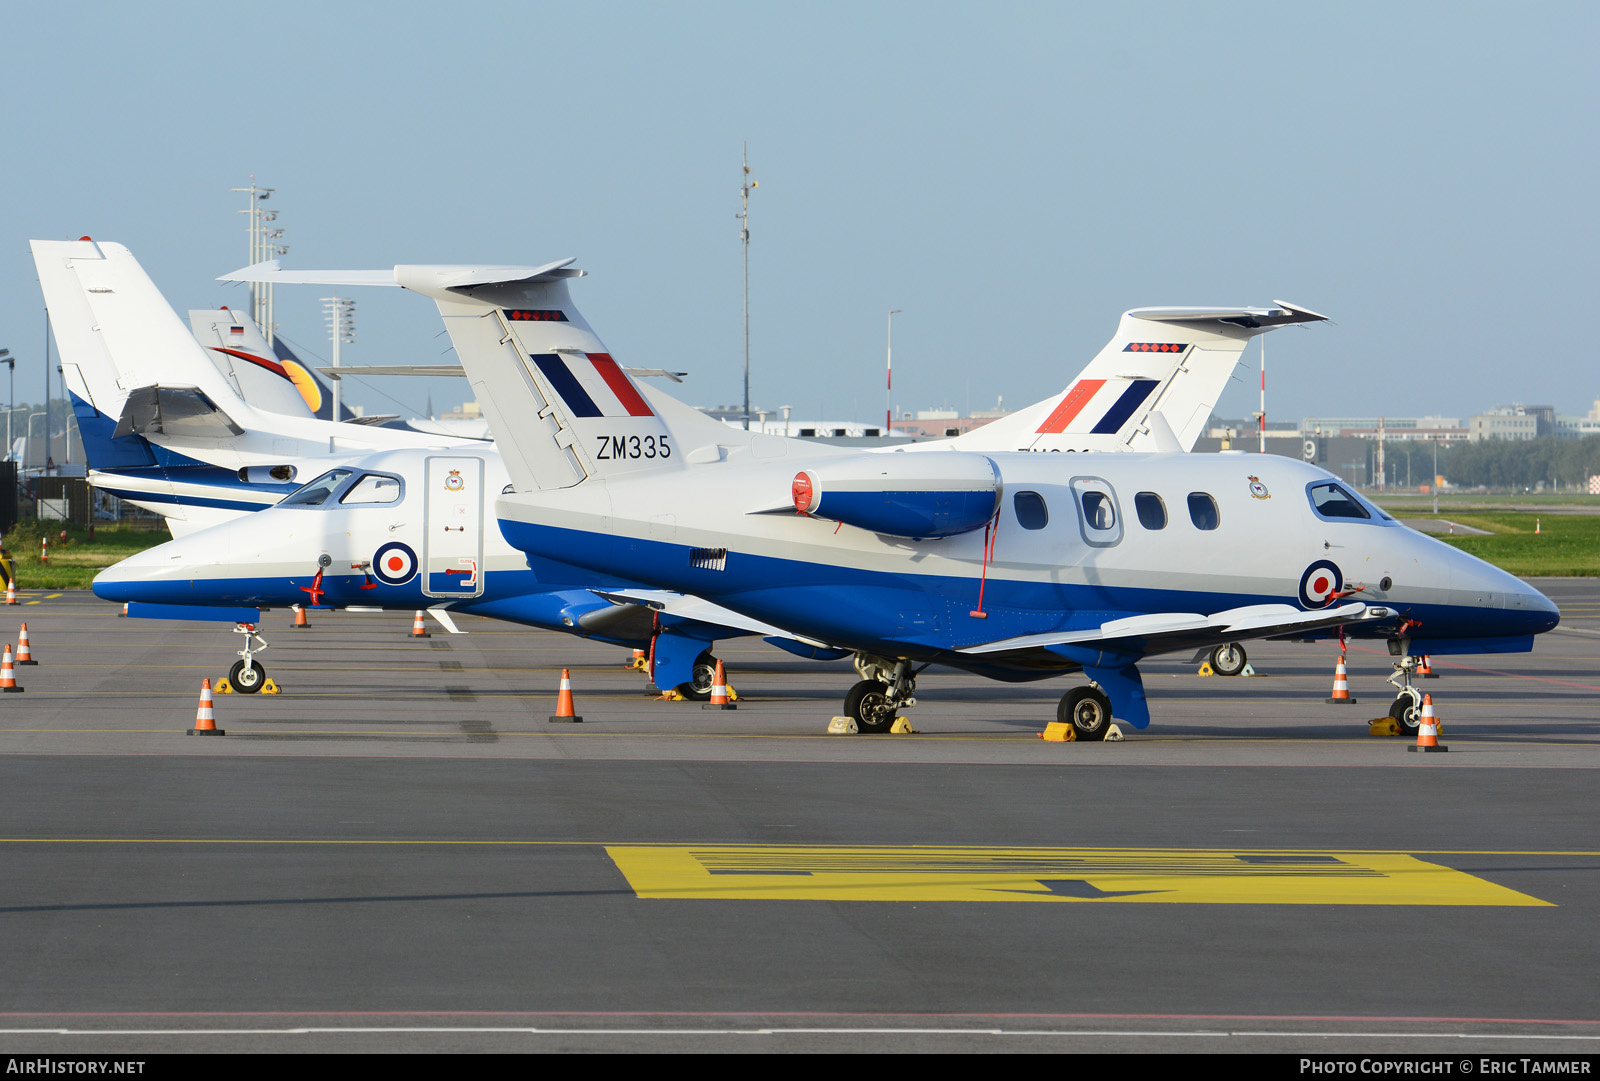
x=1542, y=609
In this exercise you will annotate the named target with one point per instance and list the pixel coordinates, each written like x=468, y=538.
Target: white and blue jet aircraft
x=1010, y=563
x=353, y=538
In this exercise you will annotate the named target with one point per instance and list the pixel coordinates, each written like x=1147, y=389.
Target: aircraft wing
x=685, y=606
x=1165, y=632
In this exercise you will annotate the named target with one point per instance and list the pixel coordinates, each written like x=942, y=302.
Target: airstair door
x=452, y=557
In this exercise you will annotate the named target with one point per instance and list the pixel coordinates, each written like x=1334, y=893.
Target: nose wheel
x=246, y=676
x=1407, y=706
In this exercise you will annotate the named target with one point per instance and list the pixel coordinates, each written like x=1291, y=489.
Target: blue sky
x=1012, y=176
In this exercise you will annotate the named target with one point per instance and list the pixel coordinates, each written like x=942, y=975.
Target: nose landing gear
x=1407, y=706
x=246, y=676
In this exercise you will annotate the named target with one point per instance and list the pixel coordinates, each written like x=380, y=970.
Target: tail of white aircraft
x=1152, y=388
x=560, y=404
x=260, y=374
x=162, y=425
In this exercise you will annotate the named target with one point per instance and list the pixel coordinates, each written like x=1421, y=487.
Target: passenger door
x=452, y=557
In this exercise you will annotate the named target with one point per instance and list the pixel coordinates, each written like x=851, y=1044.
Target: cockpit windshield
x=315, y=493
x=373, y=488
x=1332, y=500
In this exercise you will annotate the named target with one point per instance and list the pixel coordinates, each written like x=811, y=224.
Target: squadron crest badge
x=454, y=482
x=1259, y=490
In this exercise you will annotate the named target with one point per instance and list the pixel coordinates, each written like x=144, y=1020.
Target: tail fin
x=1152, y=388
x=269, y=378
x=561, y=408
x=116, y=331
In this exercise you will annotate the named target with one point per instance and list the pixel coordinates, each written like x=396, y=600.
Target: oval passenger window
x=1152, y=511
x=1030, y=509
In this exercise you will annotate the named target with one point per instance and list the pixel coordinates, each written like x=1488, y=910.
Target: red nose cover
x=802, y=493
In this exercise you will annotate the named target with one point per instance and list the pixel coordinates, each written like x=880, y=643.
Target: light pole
x=1436, y=476
x=1263, y=414
x=888, y=383
x=745, y=188
x=11, y=400
x=341, y=317
x=28, y=431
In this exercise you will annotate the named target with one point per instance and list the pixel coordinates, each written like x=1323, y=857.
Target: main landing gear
x=886, y=687
x=1407, y=706
x=1228, y=659
x=1087, y=710
x=246, y=676
x=698, y=688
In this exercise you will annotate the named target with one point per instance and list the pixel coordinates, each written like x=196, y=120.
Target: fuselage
x=400, y=530
x=1079, y=540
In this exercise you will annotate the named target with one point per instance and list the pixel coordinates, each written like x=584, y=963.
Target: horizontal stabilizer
x=178, y=412
x=423, y=279
x=429, y=370
x=1281, y=314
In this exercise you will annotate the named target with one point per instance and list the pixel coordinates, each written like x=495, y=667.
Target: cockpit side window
x=315, y=493
x=1330, y=500
x=374, y=488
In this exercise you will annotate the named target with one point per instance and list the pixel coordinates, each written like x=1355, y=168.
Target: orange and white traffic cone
x=11, y=592
x=24, y=654
x=124, y=609
x=205, y=718
x=719, y=691
x=1427, y=729
x=564, y=712
x=417, y=629
x=8, y=675
x=1425, y=669
x=1341, y=686
x=300, y=619
x=1536, y=526
x=639, y=660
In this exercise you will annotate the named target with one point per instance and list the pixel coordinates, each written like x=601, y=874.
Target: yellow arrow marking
x=1171, y=876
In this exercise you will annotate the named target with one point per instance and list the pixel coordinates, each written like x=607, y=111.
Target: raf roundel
x=395, y=564
x=1319, y=584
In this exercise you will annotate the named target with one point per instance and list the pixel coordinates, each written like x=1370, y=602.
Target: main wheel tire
x=1088, y=711
x=869, y=706
x=247, y=680
x=698, y=689
x=1407, y=714
x=1228, y=659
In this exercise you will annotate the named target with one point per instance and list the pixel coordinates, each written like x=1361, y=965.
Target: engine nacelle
x=902, y=495
x=267, y=474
